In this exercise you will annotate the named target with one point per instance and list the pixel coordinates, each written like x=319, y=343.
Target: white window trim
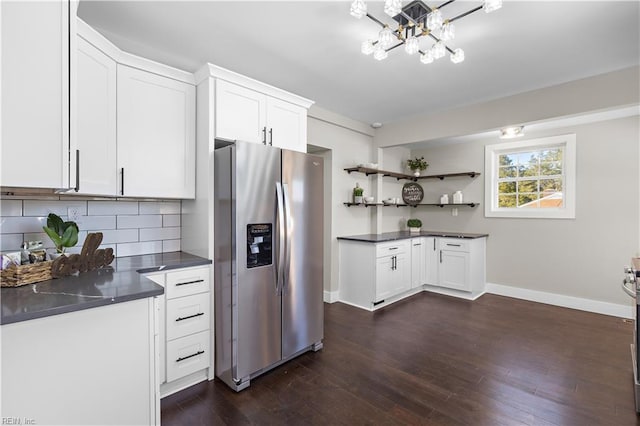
x=491, y=153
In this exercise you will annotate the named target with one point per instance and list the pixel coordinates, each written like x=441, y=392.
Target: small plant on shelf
x=414, y=225
x=63, y=234
x=357, y=194
x=417, y=165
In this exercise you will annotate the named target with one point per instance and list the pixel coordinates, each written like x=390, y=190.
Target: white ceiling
x=312, y=48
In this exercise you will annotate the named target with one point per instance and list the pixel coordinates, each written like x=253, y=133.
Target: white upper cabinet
x=248, y=110
x=35, y=93
x=287, y=125
x=96, y=121
x=156, y=135
x=240, y=113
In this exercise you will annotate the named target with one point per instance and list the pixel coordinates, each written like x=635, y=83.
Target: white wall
x=581, y=258
x=394, y=160
x=603, y=92
x=349, y=147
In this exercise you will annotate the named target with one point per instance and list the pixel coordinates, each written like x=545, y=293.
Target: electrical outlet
x=73, y=214
x=454, y=211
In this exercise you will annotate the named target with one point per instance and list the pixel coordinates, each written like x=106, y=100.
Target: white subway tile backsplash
x=97, y=208
x=141, y=221
x=129, y=227
x=97, y=223
x=21, y=224
x=11, y=208
x=10, y=241
x=134, y=249
x=159, y=207
x=44, y=207
x=170, y=220
x=120, y=236
x=170, y=245
x=159, y=234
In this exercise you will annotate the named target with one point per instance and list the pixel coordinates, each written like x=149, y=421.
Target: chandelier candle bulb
x=358, y=9
x=380, y=53
x=392, y=7
x=457, y=56
x=439, y=50
x=448, y=31
x=367, y=47
x=434, y=20
x=411, y=45
x=492, y=5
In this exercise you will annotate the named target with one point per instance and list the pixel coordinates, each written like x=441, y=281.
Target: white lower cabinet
x=374, y=273
x=418, y=262
x=88, y=367
x=461, y=265
x=185, y=330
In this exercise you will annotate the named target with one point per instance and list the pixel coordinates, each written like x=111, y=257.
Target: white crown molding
x=97, y=40
x=210, y=70
x=589, y=305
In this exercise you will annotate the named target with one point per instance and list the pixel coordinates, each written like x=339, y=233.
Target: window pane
x=528, y=186
x=506, y=160
x=505, y=172
x=506, y=200
x=507, y=187
x=551, y=168
x=528, y=170
x=550, y=185
x=528, y=200
x=551, y=154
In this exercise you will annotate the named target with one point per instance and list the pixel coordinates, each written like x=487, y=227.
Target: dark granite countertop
x=403, y=235
x=120, y=282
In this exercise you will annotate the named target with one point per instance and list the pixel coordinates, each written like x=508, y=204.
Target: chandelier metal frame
x=412, y=22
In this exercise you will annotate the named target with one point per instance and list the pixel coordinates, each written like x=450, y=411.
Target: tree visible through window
x=531, y=178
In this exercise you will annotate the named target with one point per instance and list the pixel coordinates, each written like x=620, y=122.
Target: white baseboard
x=589, y=305
x=330, y=296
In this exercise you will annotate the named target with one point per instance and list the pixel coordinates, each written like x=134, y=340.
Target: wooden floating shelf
x=367, y=171
x=414, y=205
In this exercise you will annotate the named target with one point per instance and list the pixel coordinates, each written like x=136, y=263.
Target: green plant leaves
x=62, y=234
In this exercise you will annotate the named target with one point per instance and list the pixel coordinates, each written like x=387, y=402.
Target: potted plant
x=357, y=194
x=417, y=165
x=63, y=234
x=414, y=225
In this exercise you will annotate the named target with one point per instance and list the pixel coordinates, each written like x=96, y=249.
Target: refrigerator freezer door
x=302, y=304
x=257, y=319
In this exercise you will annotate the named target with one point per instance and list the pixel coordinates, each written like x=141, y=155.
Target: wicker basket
x=15, y=276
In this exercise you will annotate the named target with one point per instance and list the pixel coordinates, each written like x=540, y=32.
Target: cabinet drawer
x=389, y=249
x=187, y=282
x=454, y=244
x=187, y=355
x=187, y=315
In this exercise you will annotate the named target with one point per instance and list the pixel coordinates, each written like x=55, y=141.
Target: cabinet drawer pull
x=434, y=244
x=189, y=356
x=189, y=282
x=416, y=245
x=77, y=188
x=264, y=135
x=393, y=248
x=440, y=256
x=122, y=183
x=271, y=136
x=190, y=316
x=453, y=245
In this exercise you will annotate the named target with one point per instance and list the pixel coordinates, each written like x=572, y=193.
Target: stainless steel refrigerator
x=268, y=214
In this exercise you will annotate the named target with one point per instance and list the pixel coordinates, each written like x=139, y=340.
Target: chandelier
x=414, y=21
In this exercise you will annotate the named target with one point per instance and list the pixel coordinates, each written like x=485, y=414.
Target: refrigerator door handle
x=287, y=249
x=281, y=238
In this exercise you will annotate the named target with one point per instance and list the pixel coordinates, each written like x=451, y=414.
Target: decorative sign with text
x=90, y=258
x=412, y=193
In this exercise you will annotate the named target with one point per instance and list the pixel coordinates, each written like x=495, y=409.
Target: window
x=531, y=179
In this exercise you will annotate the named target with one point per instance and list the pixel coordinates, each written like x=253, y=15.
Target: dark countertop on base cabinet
x=120, y=282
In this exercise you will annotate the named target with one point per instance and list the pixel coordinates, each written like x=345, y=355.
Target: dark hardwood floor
x=437, y=360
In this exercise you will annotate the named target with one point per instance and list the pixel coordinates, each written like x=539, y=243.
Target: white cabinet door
x=96, y=121
x=156, y=135
x=417, y=262
x=35, y=94
x=287, y=125
x=431, y=260
x=240, y=113
x=454, y=270
x=393, y=276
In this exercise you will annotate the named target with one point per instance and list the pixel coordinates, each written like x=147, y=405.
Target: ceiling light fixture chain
x=416, y=20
